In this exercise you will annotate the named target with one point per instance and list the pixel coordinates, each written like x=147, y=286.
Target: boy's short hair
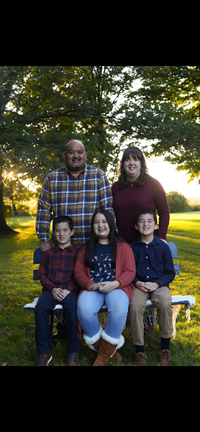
x=145, y=211
x=60, y=219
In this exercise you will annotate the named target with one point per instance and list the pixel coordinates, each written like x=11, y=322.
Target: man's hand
x=45, y=245
x=146, y=286
x=59, y=294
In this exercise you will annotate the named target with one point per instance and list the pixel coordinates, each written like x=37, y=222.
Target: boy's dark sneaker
x=44, y=359
x=73, y=359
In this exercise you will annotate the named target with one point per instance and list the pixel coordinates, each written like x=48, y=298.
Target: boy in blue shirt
x=154, y=273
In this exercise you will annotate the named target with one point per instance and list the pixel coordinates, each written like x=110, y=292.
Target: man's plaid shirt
x=77, y=197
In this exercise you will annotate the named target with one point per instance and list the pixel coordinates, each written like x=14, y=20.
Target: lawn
x=17, y=327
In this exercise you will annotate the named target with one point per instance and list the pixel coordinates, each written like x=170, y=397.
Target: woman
x=135, y=190
x=105, y=269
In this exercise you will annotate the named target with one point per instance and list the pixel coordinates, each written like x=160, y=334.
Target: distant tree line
x=178, y=203
x=16, y=204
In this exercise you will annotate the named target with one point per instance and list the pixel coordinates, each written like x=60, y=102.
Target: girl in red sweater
x=105, y=269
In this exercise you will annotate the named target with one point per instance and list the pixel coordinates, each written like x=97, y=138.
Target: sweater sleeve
x=82, y=273
x=127, y=266
x=162, y=208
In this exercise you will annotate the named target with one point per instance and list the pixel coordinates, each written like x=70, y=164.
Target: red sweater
x=125, y=271
x=129, y=201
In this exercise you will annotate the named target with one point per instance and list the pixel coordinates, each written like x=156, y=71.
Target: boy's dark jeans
x=43, y=334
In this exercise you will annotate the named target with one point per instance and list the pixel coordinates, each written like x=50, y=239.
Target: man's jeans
x=43, y=335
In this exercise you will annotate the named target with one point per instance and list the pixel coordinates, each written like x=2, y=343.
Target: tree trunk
x=4, y=228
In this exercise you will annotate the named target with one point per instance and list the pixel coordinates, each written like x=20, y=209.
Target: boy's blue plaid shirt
x=78, y=198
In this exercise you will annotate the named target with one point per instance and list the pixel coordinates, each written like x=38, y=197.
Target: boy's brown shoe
x=73, y=359
x=140, y=359
x=44, y=359
x=165, y=359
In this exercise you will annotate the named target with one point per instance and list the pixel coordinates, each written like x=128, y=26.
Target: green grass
x=17, y=327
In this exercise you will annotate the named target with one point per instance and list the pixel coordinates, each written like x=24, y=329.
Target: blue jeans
x=43, y=334
x=89, y=304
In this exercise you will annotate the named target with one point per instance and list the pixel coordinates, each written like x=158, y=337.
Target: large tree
x=165, y=111
x=48, y=105
x=43, y=107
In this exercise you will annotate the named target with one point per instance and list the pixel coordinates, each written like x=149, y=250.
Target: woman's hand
x=95, y=286
x=106, y=287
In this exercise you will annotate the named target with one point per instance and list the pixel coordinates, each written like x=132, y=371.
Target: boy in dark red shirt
x=59, y=286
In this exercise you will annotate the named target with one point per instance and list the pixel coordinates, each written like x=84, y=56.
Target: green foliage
x=57, y=103
x=169, y=114
x=49, y=105
x=17, y=327
x=43, y=107
x=177, y=202
x=19, y=195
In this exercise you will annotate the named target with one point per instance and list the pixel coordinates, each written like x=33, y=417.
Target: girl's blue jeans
x=89, y=304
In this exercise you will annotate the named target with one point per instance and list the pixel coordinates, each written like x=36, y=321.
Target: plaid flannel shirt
x=57, y=268
x=63, y=194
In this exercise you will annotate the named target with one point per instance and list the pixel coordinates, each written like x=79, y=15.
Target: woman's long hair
x=113, y=238
x=135, y=152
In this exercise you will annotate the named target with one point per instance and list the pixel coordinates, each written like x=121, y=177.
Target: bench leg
x=51, y=321
x=176, y=310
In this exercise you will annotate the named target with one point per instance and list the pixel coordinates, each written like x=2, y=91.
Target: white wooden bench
x=149, y=316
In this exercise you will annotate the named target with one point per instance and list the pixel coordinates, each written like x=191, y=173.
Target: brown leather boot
x=96, y=345
x=105, y=351
x=116, y=358
x=140, y=359
x=165, y=359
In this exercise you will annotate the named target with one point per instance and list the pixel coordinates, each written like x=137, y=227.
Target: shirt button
x=147, y=257
x=147, y=277
x=147, y=268
x=146, y=246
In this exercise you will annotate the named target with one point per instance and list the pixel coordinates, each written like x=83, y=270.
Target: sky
x=171, y=179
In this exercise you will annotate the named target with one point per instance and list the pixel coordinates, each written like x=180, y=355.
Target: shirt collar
x=70, y=248
x=154, y=241
x=71, y=175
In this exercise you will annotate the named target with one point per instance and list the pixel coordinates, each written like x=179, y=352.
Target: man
x=76, y=189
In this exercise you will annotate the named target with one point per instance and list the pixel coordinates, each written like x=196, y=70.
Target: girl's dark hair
x=113, y=238
x=136, y=153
